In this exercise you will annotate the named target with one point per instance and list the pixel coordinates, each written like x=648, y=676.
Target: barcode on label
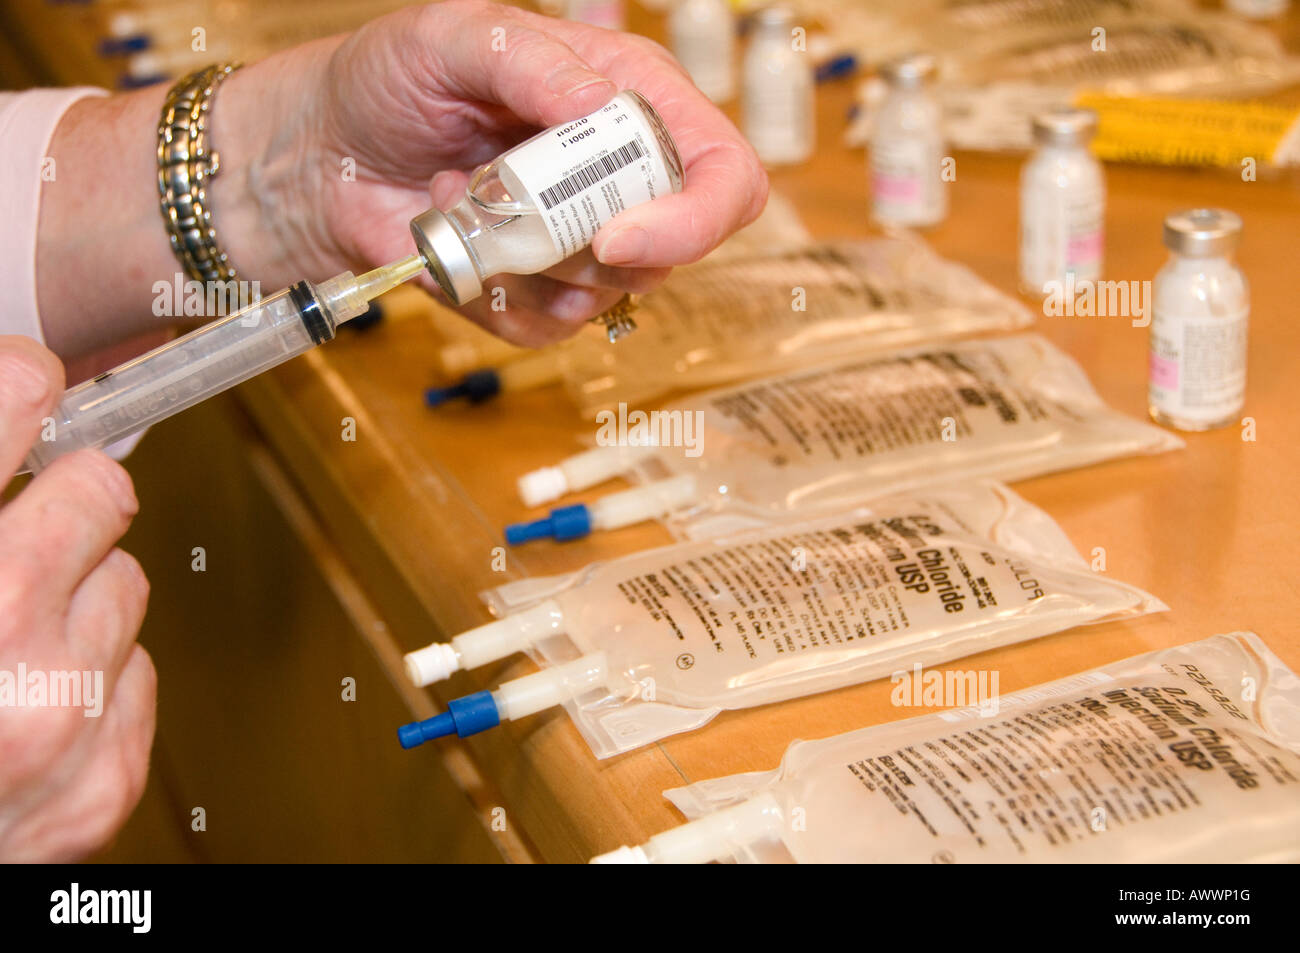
x=591, y=173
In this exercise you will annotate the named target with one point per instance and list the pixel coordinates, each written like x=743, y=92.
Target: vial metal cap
x=908, y=71
x=1202, y=232
x=1064, y=126
x=446, y=256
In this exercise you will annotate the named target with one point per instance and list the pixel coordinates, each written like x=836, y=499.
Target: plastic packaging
x=993, y=82
x=1003, y=408
x=1186, y=754
x=1179, y=131
x=745, y=316
x=796, y=608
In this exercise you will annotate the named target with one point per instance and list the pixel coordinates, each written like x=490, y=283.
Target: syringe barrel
x=184, y=372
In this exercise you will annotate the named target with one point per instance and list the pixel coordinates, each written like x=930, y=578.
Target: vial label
x=581, y=174
x=1061, y=233
x=905, y=180
x=1198, y=366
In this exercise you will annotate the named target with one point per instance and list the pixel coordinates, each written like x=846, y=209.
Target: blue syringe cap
x=476, y=387
x=565, y=523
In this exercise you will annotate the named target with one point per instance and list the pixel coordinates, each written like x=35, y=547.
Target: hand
x=69, y=603
x=423, y=93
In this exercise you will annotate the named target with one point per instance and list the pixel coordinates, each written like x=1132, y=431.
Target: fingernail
x=627, y=245
x=570, y=79
x=25, y=379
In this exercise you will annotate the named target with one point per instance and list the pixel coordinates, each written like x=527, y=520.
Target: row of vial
x=1197, y=361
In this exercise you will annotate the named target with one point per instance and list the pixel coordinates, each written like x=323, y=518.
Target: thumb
x=497, y=56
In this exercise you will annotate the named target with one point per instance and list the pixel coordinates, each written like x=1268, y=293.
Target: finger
x=105, y=614
x=583, y=269
x=31, y=380
x=498, y=55
x=63, y=524
x=538, y=310
x=725, y=189
x=102, y=779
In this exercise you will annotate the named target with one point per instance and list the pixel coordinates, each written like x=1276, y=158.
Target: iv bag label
x=775, y=611
x=1198, y=366
x=940, y=399
x=1071, y=778
x=581, y=174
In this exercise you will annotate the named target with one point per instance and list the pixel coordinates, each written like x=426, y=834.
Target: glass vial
x=704, y=40
x=779, y=104
x=907, y=149
x=544, y=200
x=1062, y=202
x=1198, y=326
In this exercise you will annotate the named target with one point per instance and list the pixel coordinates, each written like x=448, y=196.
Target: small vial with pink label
x=1200, y=313
x=908, y=149
x=1062, y=203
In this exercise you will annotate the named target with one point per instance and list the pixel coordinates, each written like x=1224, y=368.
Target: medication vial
x=1198, y=326
x=907, y=149
x=778, y=98
x=1062, y=202
x=544, y=200
x=704, y=40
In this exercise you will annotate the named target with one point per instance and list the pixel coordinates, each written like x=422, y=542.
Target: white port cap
x=623, y=855
x=543, y=486
x=433, y=663
x=714, y=836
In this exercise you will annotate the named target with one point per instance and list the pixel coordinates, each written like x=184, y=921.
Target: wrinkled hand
x=69, y=602
x=431, y=92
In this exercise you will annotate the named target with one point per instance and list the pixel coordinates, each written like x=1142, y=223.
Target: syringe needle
x=374, y=283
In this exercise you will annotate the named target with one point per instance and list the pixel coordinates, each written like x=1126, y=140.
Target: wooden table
x=416, y=504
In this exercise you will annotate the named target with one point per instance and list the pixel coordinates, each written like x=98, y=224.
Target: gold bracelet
x=186, y=163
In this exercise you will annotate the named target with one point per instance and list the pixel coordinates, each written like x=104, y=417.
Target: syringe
x=209, y=360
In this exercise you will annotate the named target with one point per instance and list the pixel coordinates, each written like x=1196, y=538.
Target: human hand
x=434, y=91
x=70, y=603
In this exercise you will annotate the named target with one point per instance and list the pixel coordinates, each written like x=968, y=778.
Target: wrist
x=268, y=198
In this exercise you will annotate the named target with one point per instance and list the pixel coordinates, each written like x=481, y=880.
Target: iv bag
x=805, y=606
x=1185, y=754
x=742, y=316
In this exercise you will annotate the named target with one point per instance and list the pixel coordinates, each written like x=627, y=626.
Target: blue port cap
x=564, y=524
x=846, y=64
x=464, y=717
x=123, y=45
x=476, y=387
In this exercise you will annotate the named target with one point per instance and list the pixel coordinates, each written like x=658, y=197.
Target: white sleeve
x=27, y=122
